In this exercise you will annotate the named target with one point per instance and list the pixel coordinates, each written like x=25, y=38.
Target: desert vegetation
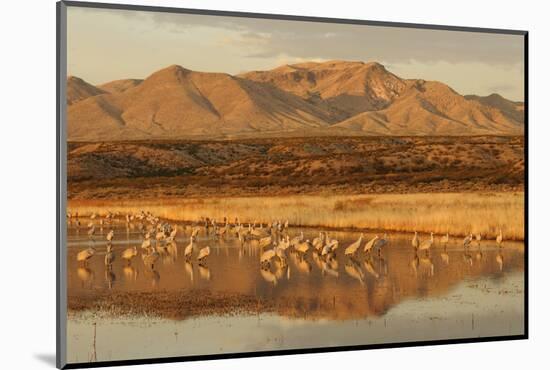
x=288, y=166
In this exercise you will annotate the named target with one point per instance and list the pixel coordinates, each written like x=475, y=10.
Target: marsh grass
x=456, y=213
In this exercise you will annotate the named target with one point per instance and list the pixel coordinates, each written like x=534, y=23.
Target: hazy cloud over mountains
x=138, y=42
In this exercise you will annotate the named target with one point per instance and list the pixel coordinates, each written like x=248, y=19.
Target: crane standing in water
x=188, y=251
x=467, y=241
x=427, y=244
x=352, y=248
x=415, y=241
x=203, y=253
x=85, y=255
x=445, y=240
x=499, y=238
x=109, y=256
x=110, y=236
x=367, y=248
x=381, y=243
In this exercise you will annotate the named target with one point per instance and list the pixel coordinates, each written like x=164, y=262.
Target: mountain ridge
x=337, y=97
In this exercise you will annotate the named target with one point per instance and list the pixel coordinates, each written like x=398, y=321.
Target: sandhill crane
x=188, y=251
x=415, y=241
x=91, y=232
x=467, y=241
x=85, y=255
x=110, y=235
x=330, y=246
x=352, y=248
x=160, y=236
x=195, y=233
x=149, y=259
x=478, y=239
x=319, y=241
x=128, y=254
x=203, y=253
x=297, y=239
x=222, y=230
x=426, y=244
x=499, y=238
x=381, y=243
x=109, y=256
x=265, y=242
x=241, y=238
x=172, y=250
x=303, y=247
x=172, y=236
x=367, y=248
x=445, y=239
x=284, y=243
x=258, y=233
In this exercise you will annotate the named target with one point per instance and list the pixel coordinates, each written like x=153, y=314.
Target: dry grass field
x=456, y=213
x=441, y=184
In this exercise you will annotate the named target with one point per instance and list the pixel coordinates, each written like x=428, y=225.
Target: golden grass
x=456, y=213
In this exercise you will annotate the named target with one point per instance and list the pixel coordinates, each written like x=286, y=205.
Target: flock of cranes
x=164, y=235
x=274, y=242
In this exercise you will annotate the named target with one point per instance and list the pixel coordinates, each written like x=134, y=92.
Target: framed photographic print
x=237, y=184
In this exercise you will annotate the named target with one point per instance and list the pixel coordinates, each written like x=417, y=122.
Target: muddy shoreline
x=172, y=305
x=181, y=305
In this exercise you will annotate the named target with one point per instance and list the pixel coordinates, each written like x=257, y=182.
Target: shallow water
x=392, y=297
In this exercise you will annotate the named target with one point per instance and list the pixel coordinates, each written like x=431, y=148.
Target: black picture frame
x=61, y=188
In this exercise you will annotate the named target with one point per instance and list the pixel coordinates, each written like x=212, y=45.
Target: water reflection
x=362, y=285
x=204, y=272
x=130, y=273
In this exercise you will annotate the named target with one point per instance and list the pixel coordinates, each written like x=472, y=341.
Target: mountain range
x=305, y=99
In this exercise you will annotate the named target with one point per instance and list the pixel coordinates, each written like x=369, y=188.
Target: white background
x=27, y=121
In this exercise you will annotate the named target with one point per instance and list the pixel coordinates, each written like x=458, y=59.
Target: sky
x=107, y=44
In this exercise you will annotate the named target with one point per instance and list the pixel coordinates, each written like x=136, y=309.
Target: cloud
x=340, y=41
x=357, y=42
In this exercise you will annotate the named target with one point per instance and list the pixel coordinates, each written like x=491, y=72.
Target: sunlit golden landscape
x=455, y=213
x=317, y=203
